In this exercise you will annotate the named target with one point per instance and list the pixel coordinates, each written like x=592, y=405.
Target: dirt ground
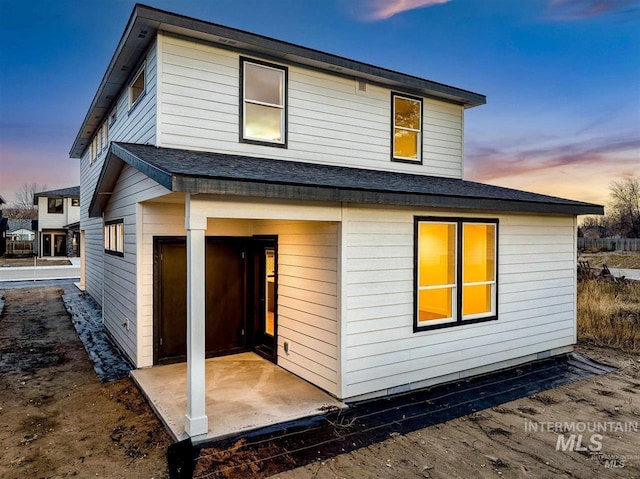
x=56, y=419
x=4, y=262
x=495, y=442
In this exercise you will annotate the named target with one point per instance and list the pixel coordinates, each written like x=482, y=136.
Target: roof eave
x=195, y=184
x=116, y=157
x=134, y=42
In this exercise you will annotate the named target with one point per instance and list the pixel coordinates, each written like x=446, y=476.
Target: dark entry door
x=225, y=296
x=239, y=297
x=60, y=245
x=170, y=299
x=46, y=245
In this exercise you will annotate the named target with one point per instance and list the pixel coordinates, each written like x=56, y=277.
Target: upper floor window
x=55, y=206
x=263, y=103
x=456, y=271
x=112, y=116
x=406, y=129
x=137, y=86
x=75, y=201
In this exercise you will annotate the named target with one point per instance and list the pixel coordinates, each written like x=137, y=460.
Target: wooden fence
x=20, y=247
x=610, y=244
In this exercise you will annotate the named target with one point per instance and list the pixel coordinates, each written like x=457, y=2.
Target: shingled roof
x=233, y=175
x=71, y=192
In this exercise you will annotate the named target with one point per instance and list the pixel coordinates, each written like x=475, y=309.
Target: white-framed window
x=114, y=237
x=406, y=128
x=104, y=136
x=137, y=86
x=263, y=108
x=456, y=271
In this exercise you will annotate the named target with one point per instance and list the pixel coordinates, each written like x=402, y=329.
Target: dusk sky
x=562, y=77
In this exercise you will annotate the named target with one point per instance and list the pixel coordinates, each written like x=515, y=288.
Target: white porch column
x=196, y=421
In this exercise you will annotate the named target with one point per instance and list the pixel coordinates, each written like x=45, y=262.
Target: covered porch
x=242, y=392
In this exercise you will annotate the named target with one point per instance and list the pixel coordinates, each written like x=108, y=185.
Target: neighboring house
x=58, y=222
x=20, y=236
x=20, y=230
x=310, y=208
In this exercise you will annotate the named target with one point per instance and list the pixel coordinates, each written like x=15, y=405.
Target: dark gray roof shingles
x=201, y=164
x=71, y=192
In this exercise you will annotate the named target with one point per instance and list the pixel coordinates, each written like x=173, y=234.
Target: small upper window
x=75, y=201
x=264, y=109
x=137, y=86
x=55, y=206
x=104, y=136
x=112, y=117
x=407, y=128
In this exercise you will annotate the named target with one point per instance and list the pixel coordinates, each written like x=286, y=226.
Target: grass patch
x=609, y=314
x=613, y=259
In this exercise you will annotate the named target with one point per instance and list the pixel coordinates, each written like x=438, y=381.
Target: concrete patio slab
x=244, y=392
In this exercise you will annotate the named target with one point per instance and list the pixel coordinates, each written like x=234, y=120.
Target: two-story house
x=241, y=193
x=58, y=222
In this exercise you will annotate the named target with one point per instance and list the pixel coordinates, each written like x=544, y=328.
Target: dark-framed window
x=406, y=128
x=114, y=237
x=263, y=103
x=455, y=271
x=75, y=201
x=55, y=205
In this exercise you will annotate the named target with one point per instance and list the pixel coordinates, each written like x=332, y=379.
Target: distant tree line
x=22, y=208
x=622, y=215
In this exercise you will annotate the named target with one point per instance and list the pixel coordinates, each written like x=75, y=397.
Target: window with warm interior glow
x=75, y=201
x=114, y=237
x=456, y=271
x=407, y=128
x=263, y=103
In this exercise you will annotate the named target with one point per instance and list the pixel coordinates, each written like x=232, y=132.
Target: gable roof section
x=216, y=173
x=71, y=192
x=146, y=21
x=14, y=225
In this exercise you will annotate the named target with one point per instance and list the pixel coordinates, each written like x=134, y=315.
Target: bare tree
x=22, y=207
x=624, y=207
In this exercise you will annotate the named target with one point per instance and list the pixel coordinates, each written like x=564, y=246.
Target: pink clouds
x=383, y=9
x=578, y=168
x=567, y=10
x=38, y=165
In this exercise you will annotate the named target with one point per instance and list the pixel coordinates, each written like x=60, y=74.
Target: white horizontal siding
x=536, y=300
x=46, y=220
x=328, y=122
x=307, y=299
x=120, y=304
x=137, y=125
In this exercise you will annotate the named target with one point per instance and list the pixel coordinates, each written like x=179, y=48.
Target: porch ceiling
x=232, y=175
x=243, y=392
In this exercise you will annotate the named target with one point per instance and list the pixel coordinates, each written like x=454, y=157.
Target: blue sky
x=562, y=77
